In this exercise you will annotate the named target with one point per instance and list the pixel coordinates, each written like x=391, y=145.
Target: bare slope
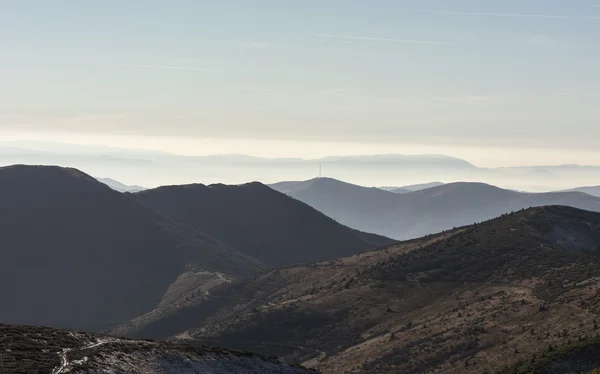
x=35, y=350
x=469, y=300
x=260, y=222
x=77, y=254
x=422, y=212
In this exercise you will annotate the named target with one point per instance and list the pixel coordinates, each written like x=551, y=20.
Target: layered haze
x=130, y=169
x=500, y=83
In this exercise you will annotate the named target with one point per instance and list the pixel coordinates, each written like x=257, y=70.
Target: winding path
x=64, y=361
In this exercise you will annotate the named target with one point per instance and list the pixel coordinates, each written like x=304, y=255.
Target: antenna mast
x=319, y=170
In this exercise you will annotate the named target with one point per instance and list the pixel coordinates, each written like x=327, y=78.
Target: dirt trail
x=64, y=361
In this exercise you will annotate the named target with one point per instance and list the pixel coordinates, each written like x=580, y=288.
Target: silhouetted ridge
x=259, y=221
x=77, y=254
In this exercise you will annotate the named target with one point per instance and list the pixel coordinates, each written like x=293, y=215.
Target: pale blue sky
x=447, y=73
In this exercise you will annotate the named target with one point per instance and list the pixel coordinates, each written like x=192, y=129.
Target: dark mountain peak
x=259, y=221
x=37, y=173
x=78, y=250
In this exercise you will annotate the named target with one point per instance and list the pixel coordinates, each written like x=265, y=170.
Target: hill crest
x=477, y=293
x=258, y=221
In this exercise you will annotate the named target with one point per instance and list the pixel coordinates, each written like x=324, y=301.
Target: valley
x=252, y=269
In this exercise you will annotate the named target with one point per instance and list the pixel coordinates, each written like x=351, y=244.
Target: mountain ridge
x=424, y=211
x=258, y=221
x=464, y=301
x=63, y=233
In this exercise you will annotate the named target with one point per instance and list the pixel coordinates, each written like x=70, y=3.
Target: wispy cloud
x=518, y=15
x=258, y=45
x=471, y=100
x=265, y=90
x=338, y=92
x=95, y=117
x=552, y=41
x=170, y=67
x=384, y=40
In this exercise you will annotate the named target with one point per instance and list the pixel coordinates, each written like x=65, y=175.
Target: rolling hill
x=469, y=300
x=591, y=190
x=118, y=186
x=422, y=212
x=421, y=186
x=77, y=254
x=33, y=350
x=259, y=222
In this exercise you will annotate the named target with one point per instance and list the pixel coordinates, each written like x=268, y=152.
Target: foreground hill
x=579, y=357
x=422, y=212
x=34, y=350
x=77, y=254
x=468, y=300
x=259, y=222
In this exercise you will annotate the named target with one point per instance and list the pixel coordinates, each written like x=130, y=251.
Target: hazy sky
x=310, y=77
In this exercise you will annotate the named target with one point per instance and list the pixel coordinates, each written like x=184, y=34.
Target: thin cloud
x=385, y=40
x=471, y=100
x=259, y=45
x=170, y=67
x=517, y=15
x=96, y=117
x=339, y=92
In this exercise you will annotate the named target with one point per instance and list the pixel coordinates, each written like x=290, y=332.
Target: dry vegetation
x=471, y=300
x=42, y=350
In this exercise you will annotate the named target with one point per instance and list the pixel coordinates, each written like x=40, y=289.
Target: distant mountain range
x=593, y=190
x=468, y=300
x=412, y=187
x=118, y=186
x=77, y=254
x=151, y=168
x=424, y=211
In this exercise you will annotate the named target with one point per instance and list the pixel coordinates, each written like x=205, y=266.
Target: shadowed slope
x=260, y=222
x=77, y=254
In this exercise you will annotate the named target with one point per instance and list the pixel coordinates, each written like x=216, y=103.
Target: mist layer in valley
x=152, y=168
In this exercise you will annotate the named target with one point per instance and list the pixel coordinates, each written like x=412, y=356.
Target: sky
x=500, y=82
